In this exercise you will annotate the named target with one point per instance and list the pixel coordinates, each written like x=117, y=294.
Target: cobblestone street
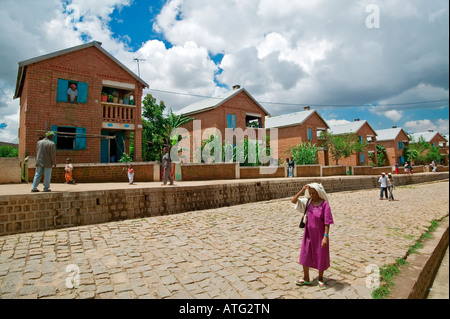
x=246, y=251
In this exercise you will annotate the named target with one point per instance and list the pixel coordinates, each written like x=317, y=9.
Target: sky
x=384, y=61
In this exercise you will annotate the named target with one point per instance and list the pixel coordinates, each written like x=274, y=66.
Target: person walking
x=45, y=162
x=315, y=252
x=390, y=186
x=130, y=172
x=68, y=172
x=167, y=167
x=397, y=168
x=383, y=185
x=291, y=167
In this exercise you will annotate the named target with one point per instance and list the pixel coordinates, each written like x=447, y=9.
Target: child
x=130, y=174
x=68, y=172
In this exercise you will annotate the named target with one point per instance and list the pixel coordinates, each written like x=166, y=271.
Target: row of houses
x=238, y=109
x=96, y=129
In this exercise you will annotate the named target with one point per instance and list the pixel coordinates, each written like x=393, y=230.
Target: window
x=69, y=138
x=361, y=157
x=400, y=145
x=231, y=121
x=309, y=132
x=62, y=94
x=361, y=139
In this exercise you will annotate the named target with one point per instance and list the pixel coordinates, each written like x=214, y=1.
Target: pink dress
x=311, y=253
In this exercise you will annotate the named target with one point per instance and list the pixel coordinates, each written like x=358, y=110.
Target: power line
x=303, y=104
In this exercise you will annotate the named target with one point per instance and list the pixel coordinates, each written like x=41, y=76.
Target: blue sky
x=347, y=59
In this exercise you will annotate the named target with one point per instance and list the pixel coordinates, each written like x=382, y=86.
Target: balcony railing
x=118, y=113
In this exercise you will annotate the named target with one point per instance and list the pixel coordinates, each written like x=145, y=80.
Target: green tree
x=158, y=129
x=153, y=125
x=8, y=151
x=381, y=155
x=343, y=145
x=422, y=152
x=304, y=154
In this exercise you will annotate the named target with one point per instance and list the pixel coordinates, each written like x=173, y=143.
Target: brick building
x=296, y=128
x=235, y=109
x=435, y=139
x=89, y=130
x=365, y=133
x=395, y=141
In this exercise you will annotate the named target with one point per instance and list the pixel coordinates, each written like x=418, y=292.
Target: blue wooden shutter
x=61, y=93
x=233, y=121
x=82, y=92
x=80, y=140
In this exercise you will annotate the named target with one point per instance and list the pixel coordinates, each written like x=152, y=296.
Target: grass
x=389, y=272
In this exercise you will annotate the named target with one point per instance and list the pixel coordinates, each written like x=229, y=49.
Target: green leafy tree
x=304, y=153
x=8, y=151
x=381, y=155
x=343, y=145
x=158, y=129
x=422, y=152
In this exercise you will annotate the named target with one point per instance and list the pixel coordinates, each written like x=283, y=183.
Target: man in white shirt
x=383, y=185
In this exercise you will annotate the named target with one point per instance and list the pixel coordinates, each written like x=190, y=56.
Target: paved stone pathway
x=246, y=251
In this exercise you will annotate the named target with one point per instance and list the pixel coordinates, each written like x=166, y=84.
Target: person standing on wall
x=45, y=162
x=167, y=167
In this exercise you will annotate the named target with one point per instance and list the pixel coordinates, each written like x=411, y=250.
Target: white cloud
x=420, y=126
x=394, y=115
x=317, y=52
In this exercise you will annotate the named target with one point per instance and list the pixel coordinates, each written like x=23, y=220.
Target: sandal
x=302, y=282
x=321, y=285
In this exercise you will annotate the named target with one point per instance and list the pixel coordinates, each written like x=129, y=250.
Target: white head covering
x=320, y=190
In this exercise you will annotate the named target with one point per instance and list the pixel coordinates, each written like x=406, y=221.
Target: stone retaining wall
x=44, y=211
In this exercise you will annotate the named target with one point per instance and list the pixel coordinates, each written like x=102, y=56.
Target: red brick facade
x=291, y=136
x=41, y=111
x=240, y=105
x=367, y=134
x=393, y=152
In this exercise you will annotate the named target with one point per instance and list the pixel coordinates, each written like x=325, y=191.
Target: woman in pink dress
x=315, y=252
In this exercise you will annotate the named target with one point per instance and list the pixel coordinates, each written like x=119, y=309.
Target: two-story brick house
x=395, y=140
x=233, y=110
x=90, y=129
x=435, y=139
x=365, y=133
x=297, y=128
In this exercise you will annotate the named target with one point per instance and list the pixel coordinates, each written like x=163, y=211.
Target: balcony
x=118, y=113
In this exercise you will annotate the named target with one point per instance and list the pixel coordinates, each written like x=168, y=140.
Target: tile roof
x=388, y=134
x=214, y=102
x=351, y=127
x=290, y=119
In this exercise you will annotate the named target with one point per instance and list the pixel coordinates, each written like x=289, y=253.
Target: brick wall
x=40, y=110
x=10, y=170
x=334, y=170
x=103, y=173
x=255, y=172
x=196, y=172
x=45, y=211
